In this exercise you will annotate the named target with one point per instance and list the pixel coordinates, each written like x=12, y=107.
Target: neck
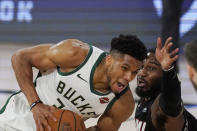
x=100, y=79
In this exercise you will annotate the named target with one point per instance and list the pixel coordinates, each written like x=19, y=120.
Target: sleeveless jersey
x=143, y=118
x=72, y=91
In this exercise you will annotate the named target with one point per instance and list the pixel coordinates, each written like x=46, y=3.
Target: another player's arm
x=169, y=102
x=119, y=112
x=67, y=54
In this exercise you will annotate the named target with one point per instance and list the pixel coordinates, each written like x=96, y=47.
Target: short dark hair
x=190, y=52
x=129, y=44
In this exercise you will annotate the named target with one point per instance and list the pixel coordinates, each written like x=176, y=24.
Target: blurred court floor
x=8, y=84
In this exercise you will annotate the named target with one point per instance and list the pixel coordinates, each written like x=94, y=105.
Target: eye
x=134, y=73
x=151, y=68
x=124, y=68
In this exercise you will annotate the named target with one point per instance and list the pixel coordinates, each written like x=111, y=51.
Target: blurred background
x=25, y=23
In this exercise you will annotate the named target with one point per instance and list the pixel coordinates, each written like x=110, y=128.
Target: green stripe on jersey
x=4, y=107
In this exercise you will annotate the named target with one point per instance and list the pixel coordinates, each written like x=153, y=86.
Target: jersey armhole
x=38, y=75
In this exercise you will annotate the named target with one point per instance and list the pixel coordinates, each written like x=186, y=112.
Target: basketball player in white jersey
x=74, y=76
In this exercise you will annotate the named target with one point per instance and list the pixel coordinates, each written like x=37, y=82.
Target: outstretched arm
x=170, y=99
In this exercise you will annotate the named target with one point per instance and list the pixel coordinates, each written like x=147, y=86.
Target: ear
x=108, y=59
x=190, y=70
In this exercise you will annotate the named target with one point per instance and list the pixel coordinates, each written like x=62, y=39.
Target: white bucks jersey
x=75, y=90
x=72, y=91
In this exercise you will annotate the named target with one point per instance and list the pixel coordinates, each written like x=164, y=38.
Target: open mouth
x=120, y=86
x=141, y=82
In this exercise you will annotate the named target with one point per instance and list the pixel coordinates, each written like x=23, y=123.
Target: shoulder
x=72, y=51
x=68, y=46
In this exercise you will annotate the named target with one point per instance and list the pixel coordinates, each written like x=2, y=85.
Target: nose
x=142, y=72
x=127, y=76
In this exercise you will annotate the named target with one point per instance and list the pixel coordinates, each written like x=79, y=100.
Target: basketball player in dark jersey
x=160, y=107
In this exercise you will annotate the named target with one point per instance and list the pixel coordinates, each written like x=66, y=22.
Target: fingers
x=41, y=116
x=175, y=58
x=45, y=124
x=167, y=41
x=52, y=117
x=42, y=124
x=48, y=115
x=169, y=46
x=159, y=43
x=51, y=113
x=41, y=128
x=174, y=52
x=39, y=125
x=52, y=108
x=173, y=55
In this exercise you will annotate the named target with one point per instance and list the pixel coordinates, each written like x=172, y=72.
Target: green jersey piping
x=4, y=107
x=92, y=75
x=115, y=98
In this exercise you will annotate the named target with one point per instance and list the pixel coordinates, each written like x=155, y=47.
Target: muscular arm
x=67, y=54
x=120, y=112
x=170, y=100
x=22, y=63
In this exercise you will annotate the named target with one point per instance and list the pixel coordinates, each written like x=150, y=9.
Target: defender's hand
x=164, y=55
x=41, y=113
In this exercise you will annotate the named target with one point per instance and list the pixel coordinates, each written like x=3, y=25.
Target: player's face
x=149, y=77
x=122, y=70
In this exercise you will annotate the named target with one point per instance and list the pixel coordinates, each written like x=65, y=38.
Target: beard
x=152, y=93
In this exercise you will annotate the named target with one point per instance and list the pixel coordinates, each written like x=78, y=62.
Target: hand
x=41, y=113
x=164, y=55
